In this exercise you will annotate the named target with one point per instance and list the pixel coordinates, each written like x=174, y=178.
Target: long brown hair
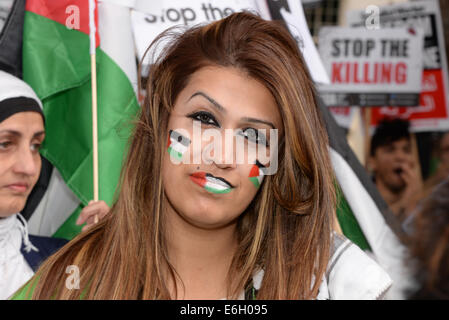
x=286, y=230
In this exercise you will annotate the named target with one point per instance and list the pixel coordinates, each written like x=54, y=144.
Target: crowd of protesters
x=421, y=206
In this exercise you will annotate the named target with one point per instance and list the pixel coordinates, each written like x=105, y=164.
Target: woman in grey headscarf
x=21, y=135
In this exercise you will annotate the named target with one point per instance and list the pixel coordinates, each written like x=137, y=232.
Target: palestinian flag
x=177, y=145
x=362, y=213
x=256, y=174
x=50, y=194
x=56, y=63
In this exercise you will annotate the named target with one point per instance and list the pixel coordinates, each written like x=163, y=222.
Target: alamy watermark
x=237, y=146
x=372, y=21
x=73, y=19
x=73, y=280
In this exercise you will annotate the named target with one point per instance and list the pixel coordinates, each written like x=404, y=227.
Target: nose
x=27, y=162
x=401, y=155
x=224, y=156
x=226, y=165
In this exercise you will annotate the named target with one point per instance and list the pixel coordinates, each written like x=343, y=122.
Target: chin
x=396, y=187
x=209, y=217
x=211, y=224
x=10, y=206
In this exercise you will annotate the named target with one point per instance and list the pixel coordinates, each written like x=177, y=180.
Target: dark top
x=46, y=246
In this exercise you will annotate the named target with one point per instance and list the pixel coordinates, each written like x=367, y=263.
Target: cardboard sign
x=371, y=67
x=433, y=110
x=150, y=18
x=161, y=15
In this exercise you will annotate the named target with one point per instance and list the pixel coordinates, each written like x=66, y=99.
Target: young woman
x=219, y=227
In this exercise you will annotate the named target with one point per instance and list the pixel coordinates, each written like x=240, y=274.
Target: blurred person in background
x=442, y=171
x=395, y=171
x=429, y=245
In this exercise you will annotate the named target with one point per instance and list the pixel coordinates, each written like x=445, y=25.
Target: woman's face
x=20, y=138
x=213, y=186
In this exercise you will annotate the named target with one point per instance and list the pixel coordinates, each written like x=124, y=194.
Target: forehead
x=400, y=143
x=23, y=122
x=239, y=94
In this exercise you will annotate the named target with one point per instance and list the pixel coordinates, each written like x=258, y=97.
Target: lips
x=18, y=187
x=211, y=183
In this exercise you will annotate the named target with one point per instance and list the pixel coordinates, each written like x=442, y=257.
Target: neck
x=201, y=257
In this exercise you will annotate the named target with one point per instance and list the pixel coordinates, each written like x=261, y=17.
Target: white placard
x=157, y=17
x=372, y=61
x=433, y=110
x=150, y=18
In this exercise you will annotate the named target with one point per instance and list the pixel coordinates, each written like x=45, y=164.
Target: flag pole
x=92, y=30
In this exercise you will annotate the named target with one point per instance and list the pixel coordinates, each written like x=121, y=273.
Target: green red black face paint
x=257, y=173
x=211, y=183
x=177, y=144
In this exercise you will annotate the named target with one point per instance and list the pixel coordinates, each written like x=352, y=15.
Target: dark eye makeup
x=204, y=117
x=254, y=135
x=5, y=144
x=251, y=134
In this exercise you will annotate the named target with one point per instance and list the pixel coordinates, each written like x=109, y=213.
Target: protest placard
x=371, y=67
x=157, y=17
x=433, y=110
x=151, y=18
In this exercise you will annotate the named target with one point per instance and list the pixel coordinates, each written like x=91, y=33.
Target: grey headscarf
x=17, y=96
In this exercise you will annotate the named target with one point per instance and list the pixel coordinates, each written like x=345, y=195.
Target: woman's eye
x=389, y=149
x=205, y=118
x=5, y=144
x=36, y=146
x=254, y=135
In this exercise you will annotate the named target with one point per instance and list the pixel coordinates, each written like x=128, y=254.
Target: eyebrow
x=214, y=103
x=19, y=134
x=259, y=121
x=220, y=107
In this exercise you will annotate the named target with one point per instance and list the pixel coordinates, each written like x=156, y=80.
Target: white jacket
x=352, y=274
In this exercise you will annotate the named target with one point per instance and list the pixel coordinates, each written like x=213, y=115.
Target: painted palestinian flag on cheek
x=257, y=173
x=177, y=145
